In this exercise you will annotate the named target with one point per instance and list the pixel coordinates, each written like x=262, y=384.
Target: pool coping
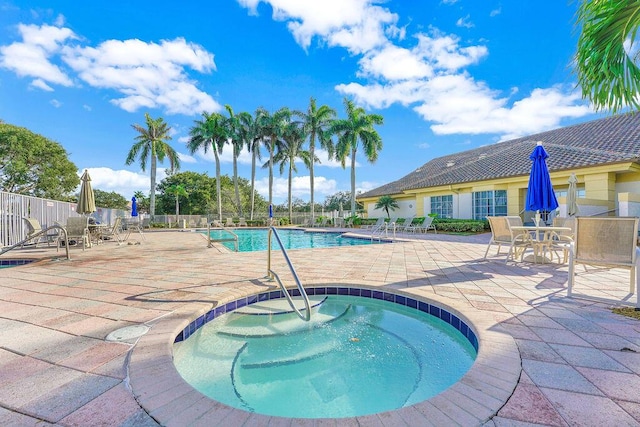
x=476, y=398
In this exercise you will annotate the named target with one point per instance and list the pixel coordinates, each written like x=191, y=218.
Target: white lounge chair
x=229, y=223
x=606, y=242
x=378, y=223
x=242, y=223
x=406, y=226
x=426, y=225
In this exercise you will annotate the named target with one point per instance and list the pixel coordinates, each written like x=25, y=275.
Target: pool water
x=250, y=240
x=356, y=356
x=8, y=263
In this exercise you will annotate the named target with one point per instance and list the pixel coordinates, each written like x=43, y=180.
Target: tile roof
x=613, y=139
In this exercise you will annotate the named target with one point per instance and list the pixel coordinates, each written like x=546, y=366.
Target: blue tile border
x=431, y=309
x=14, y=262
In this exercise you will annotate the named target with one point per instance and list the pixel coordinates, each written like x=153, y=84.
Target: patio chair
x=242, y=223
x=78, y=231
x=606, y=242
x=562, y=240
x=113, y=233
x=501, y=234
x=229, y=223
x=33, y=228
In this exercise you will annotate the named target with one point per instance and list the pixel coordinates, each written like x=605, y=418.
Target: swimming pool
x=255, y=239
x=7, y=263
x=359, y=355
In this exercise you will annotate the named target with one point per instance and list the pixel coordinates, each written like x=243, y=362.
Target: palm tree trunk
x=218, y=186
x=253, y=182
x=312, y=148
x=235, y=182
x=271, y=148
x=353, y=182
x=152, y=192
x=290, y=179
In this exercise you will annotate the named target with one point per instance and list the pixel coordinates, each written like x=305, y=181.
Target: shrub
x=460, y=225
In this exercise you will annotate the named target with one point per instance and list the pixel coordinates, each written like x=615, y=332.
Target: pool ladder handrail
x=273, y=275
x=42, y=232
x=233, y=239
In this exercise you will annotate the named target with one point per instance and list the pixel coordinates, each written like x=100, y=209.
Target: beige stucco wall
x=602, y=186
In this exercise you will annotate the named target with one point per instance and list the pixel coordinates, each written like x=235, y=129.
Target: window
x=489, y=203
x=442, y=205
x=563, y=193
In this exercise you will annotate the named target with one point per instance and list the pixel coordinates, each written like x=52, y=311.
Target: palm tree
x=358, y=126
x=151, y=144
x=271, y=127
x=290, y=149
x=317, y=124
x=386, y=203
x=178, y=191
x=606, y=59
x=235, y=132
x=210, y=133
x=254, y=138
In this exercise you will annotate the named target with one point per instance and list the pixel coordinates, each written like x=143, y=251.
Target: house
x=492, y=180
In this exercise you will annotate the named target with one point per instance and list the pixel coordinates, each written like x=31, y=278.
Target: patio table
x=541, y=238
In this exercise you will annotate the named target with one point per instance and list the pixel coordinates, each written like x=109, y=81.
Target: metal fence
x=15, y=207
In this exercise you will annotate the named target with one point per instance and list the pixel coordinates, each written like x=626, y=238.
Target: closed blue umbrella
x=134, y=206
x=540, y=194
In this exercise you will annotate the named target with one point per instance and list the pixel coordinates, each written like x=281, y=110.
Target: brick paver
x=580, y=362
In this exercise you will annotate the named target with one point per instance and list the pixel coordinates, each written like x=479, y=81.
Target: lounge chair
x=378, y=223
x=426, y=225
x=242, y=223
x=502, y=235
x=229, y=223
x=406, y=225
x=606, y=242
x=33, y=228
x=78, y=230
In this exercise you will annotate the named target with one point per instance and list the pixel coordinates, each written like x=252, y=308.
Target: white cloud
x=394, y=63
x=357, y=25
x=40, y=84
x=495, y=12
x=300, y=187
x=146, y=75
x=31, y=57
x=55, y=103
x=186, y=158
x=149, y=75
x=465, y=22
x=123, y=182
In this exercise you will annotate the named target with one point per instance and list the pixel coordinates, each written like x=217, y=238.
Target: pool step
x=278, y=319
x=280, y=305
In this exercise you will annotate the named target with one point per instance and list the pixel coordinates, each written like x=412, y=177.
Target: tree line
x=287, y=135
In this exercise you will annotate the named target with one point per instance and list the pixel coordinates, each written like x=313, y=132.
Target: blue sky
x=447, y=76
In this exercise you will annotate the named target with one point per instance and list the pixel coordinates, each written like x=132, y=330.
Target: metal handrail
x=272, y=275
x=233, y=239
x=38, y=234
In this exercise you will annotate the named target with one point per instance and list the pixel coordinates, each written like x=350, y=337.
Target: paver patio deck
x=580, y=362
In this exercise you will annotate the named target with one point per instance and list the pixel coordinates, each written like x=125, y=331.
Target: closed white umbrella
x=572, y=196
x=86, y=199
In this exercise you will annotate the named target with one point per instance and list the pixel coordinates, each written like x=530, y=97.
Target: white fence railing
x=15, y=207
